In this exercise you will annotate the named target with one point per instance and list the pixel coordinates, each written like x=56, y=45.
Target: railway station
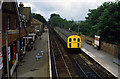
x=33, y=47
x=88, y=54
x=58, y=61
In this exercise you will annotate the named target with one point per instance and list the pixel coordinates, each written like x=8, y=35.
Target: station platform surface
x=34, y=64
x=103, y=58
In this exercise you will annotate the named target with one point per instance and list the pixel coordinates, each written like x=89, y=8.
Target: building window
x=25, y=24
x=20, y=24
x=15, y=23
x=8, y=23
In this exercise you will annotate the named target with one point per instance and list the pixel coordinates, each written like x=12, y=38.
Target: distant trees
x=103, y=21
x=56, y=20
x=39, y=17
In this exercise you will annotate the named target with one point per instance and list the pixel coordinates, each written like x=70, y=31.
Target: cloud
x=64, y=0
x=69, y=9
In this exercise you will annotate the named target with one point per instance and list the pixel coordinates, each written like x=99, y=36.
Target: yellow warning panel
x=74, y=41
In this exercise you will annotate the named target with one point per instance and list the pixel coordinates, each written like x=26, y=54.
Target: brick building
x=14, y=18
x=10, y=21
x=1, y=58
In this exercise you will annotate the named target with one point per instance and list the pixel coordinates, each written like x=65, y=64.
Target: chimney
x=21, y=4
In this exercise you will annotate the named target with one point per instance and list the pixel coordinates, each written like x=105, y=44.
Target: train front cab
x=74, y=41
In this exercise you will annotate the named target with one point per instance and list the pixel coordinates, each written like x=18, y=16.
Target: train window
x=69, y=44
x=70, y=40
x=78, y=39
x=78, y=44
x=74, y=39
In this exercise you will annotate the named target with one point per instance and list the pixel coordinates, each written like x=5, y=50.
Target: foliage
x=56, y=20
x=39, y=17
x=103, y=21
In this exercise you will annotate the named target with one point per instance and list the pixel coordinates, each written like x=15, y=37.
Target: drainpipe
x=19, y=17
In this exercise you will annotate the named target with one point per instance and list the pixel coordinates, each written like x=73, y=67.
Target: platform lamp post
x=69, y=27
x=78, y=29
x=9, y=32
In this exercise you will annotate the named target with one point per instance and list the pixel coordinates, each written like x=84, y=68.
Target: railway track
x=67, y=64
x=98, y=68
x=61, y=61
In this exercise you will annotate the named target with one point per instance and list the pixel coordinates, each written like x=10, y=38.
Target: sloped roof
x=35, y=22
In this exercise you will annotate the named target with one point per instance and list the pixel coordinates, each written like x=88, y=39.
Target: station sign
x=97, y=40
x=9, y=58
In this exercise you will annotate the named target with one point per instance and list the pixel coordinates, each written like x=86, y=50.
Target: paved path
x=31, y=67
x=103, y=58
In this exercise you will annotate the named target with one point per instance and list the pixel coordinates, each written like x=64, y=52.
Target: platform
x=36, y=62
x=103, y=58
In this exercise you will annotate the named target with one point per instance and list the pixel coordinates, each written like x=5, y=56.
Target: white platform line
x=92, y=56
x=50, y=69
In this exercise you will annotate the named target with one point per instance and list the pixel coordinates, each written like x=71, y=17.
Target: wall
x=110, y=48
x=11, y=37
x=85, y=38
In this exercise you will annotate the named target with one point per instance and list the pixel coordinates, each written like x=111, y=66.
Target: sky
x=75, y=10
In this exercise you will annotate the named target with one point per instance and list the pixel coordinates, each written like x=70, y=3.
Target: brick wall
x=12, y=17
x=22, y=32
x=11, y=37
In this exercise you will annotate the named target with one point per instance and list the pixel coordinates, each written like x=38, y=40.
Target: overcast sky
x=70, y=9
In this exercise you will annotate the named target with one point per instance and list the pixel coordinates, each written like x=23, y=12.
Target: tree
x=39, y=17
x=104, y=21
x=56, y=20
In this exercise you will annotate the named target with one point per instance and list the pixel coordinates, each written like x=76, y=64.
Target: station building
x=17, y=18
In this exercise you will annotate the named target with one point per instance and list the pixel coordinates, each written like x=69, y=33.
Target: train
x=74, y=41
x=66, y=36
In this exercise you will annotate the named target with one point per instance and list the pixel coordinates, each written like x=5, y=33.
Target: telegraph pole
x=78, y=29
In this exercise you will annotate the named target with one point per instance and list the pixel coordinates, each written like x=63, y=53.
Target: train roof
x=74, y=36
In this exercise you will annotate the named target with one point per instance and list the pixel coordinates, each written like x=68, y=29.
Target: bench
x=89, y=42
